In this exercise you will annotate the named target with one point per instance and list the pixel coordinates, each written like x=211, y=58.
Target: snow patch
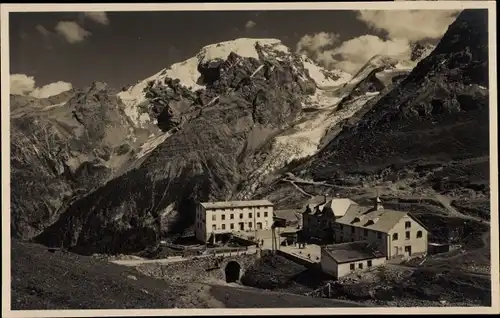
x=151, y=144
x=304, y=141
x=323, y=99
x=244, y=47
x=186, y=72
x=134, y=96
x=317, y=73
x=53, y=106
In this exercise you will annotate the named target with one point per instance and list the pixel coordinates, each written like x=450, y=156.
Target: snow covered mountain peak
x=187, y=72
x=244, y=47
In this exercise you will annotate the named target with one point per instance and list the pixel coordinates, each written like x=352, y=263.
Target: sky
x=53, y=52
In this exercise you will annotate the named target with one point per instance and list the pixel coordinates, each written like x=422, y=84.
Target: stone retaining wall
x=197, y=269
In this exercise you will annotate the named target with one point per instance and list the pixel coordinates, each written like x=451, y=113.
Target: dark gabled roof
x=352, y=252
x=381, y=220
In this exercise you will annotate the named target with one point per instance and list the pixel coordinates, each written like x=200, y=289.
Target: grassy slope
x=44, y=280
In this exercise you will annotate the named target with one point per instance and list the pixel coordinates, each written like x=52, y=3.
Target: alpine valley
x=100, y=170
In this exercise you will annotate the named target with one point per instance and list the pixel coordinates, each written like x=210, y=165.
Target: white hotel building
x=214, y=218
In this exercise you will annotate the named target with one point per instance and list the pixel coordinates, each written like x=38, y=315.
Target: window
x=365, y=232
x=231, y=226
x=223, y=226
x=231, y=216
x=360, y=265
x=241, y=215
x=258, y=214
x=265, y=214
x=250, y=224
x=407, y=224
x=379, y=235
x=407, y=235
x=395, y=236
x=353, y=230
x=369, y=263
x=419, y=234
x=213, y=227
x=250, y=215
x=223, y=217
x=352, y=267
x=214, y=217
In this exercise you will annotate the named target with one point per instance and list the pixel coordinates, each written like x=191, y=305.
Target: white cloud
x=51, y=89
x=40, y=28
x=413, y=25
x=351, y=55
x=99, y=17
x=402, y=28
x=316, y=42
x=250, y=24
x=22, y=84
x=71, y=31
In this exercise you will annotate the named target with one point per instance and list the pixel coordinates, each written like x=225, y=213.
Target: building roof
x=235, y=204
x=313, y=202
x=352, y=252
x=337, y=206
x=289, y=215
x=381, y=220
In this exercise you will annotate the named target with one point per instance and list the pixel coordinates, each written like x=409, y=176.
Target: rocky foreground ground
x=389, y=286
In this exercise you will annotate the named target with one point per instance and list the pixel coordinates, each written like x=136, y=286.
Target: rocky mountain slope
x=229, y=117
x=432, y=129
x=61, y=148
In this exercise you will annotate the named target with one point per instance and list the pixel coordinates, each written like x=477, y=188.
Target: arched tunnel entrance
x=232, y=272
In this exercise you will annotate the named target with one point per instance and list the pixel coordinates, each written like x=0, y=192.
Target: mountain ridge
x=215, y=126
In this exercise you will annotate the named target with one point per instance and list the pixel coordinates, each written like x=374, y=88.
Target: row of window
x=360, y=265
x=365, y=233
x=241, y=228
x=395, y=236
x=407, y=235
x=231, y=216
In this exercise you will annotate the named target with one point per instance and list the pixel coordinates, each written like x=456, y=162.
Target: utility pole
x=254, y=224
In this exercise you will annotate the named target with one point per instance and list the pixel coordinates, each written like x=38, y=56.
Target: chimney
x=378, y=203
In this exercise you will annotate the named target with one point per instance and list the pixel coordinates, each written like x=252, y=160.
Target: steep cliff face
x=62, y=147
x=438, y=114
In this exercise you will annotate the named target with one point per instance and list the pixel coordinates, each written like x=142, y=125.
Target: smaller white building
x=340, y=260
x=215, y=218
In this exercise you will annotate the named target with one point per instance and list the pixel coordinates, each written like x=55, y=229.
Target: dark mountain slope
x=62, y=147
x=438, y=113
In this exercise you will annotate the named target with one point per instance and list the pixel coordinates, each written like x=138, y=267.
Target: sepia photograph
x=292, y=158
